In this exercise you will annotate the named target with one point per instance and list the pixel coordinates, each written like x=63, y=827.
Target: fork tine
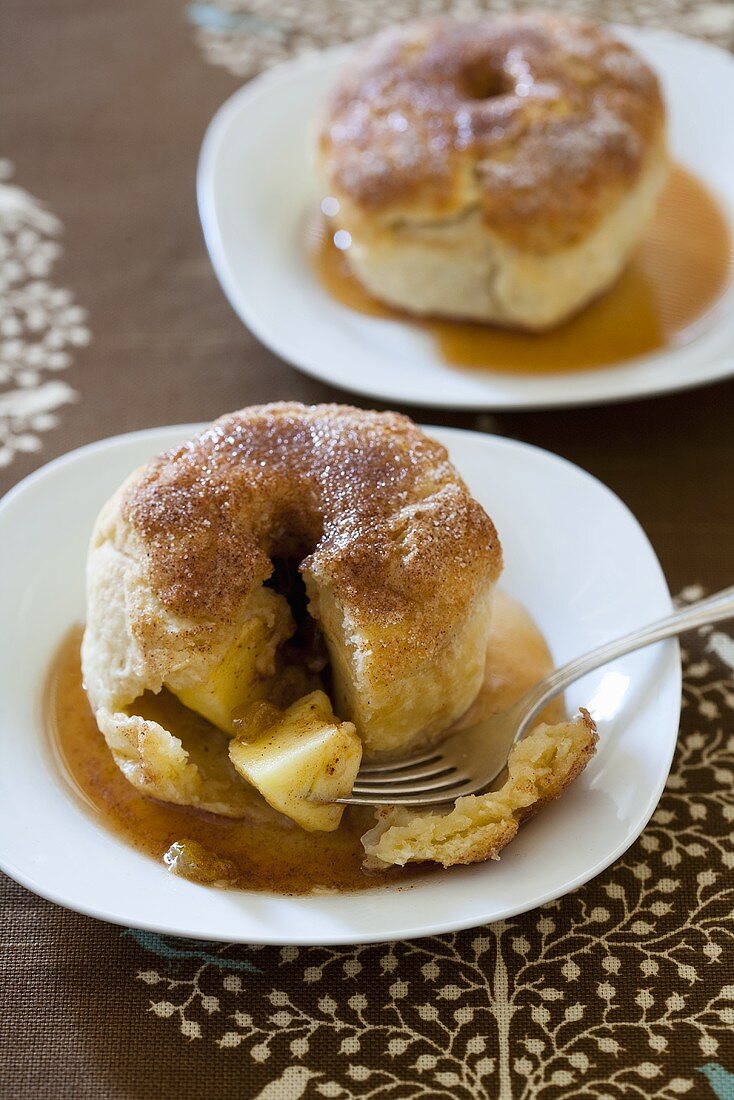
x=432, y=798
x=448, y=780
x=399, y=765
x=427, y=771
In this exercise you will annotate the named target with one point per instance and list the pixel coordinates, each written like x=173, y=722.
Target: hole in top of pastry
x=480, y=81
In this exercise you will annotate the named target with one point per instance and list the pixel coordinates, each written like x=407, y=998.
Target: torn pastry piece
x=478, y=827
x=397, y=560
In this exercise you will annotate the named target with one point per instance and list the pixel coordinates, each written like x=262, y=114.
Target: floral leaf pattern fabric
x=247, y=36
x=40, y=324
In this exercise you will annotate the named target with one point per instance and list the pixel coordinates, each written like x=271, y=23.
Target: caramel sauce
x=680, y=269
x=266, y=854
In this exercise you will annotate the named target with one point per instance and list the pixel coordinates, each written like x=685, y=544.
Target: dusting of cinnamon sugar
x=681, y=268
x=538, y=119
x=264, y=855
x=326, y=485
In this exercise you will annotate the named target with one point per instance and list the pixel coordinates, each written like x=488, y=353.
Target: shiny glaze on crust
x=264, y=854
x=541, y=121
x=680, y=269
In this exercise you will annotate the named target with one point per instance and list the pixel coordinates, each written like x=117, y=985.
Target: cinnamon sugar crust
x=369, y=504
x=540, y=122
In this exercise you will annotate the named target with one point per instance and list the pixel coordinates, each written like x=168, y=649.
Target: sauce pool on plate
x=269, y=853
x=678, y=272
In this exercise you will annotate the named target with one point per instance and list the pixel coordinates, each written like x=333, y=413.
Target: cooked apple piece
x=191, y=860
x=246, y=670
x=301, y=760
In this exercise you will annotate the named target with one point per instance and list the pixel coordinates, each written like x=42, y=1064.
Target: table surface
x=111, y=319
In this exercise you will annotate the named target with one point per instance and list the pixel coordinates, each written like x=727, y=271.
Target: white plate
x=575, y=556
x=256, y=183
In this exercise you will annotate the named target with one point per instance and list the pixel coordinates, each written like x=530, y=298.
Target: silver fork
x=468, y=761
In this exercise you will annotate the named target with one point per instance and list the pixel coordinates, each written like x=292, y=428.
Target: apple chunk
x=300, y=759
x=246, y=669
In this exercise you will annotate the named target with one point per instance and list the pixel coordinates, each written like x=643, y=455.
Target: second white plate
x=256, y=185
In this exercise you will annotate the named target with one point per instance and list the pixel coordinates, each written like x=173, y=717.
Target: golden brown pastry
x=398, y=562
x=497, y=170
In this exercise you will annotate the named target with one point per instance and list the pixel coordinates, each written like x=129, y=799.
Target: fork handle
x=710, y=610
